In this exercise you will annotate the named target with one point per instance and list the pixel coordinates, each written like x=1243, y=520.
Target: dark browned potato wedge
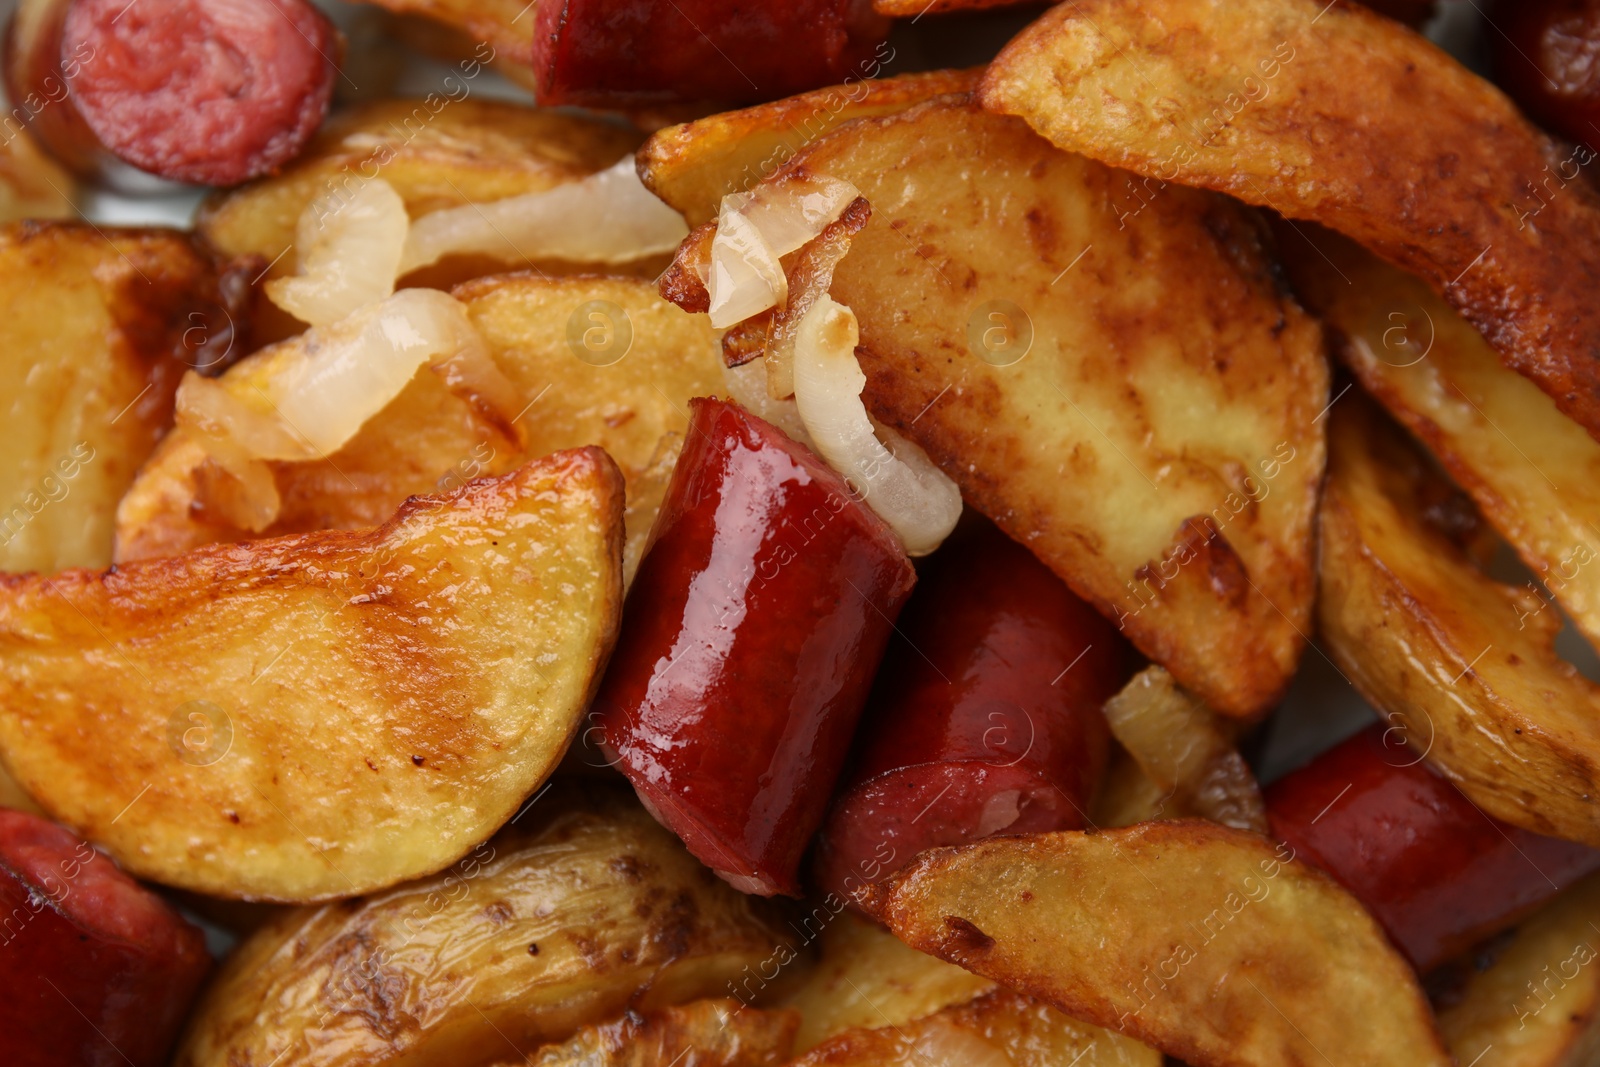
x=1538, y=1003
x=324, y=714
x=96, y=328
x=1533, y=472
x=705, y=1033
x=692, y=166
x=625, y=400
x=1200, y=940
x=1454, y=659
x=1171, y=487
x=437, y=153
x=866, y=977
x=998, y=1029
x=1331, y=113
x=582, y=908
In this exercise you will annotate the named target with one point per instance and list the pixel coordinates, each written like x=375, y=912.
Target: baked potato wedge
x=32, y=185
x=96, y=328
x=1203, y=941
x=866, y=977
x=1311, y=109
x=1067, y=374
x=326, y=714
x=438, y=152
x=1459, y=663
x=998, y=1029
x=625, y=392
x=705, y=1033
x=1537, y=1004
x=580, y=909
x=693, y=165
x=1533, y=473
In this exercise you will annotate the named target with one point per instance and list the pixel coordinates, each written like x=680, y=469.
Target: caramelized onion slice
x=895, y=477
x=755, y=230
x=608, y=217
x=349, y=247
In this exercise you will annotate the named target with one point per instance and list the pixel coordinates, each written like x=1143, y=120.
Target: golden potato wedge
x=705, y=1033
x=1070, y=376
x=692, y=166
x=866, y=977
x=624, y=390
x=32, y=185
x=1334, y=114
x=1184, y=751
x=96, y=327
x=1456, y=660
x=323, y=714
x=1533, y=472
x=582, y=908
x=1538, y=1003
x=507, y=25
x=998, y=1029
x=436, y=153
x=1198, y=939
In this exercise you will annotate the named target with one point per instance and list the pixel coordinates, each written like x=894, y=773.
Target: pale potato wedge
x=582, y=908
x=325, y=714
x=437, y=153
x=1538, y=1003
x=1137, y=405
x=1128, y=795
x=507, y=25
x=866, y=977
x=998, y=1029
x=1458, y=662
x=1203, y=941
x=1533, y=472
x=705, y=1033
x=32, y=185
x=626, y=393
x=96, y=328
x=1332, y=113
x=693, y=165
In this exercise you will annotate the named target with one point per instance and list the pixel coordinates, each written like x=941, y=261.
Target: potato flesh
x=1533, y=472
x=1456, y=661
x=1538, y=1003
x=428, y=439
x=1333, y=114
x=444, y=971
x=91, y=346
x=1124, y=421
x=1200, y=940
x=998, y=1029
x=323, y=714
x=715, y=1033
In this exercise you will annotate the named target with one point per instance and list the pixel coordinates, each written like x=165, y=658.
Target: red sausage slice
x=751, y=635
x=94, y=968
x=985, y=718
x=621, y=53
x=208, y=91
x=1436, y=872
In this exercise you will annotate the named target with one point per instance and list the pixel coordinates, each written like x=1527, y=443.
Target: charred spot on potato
x=962, y=938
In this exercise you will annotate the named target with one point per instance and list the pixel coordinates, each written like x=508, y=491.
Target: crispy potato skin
x=693, y=165
x=1538, y=1003
x=1457, y=661
x=321, y=714
x=1166, y=348
x=706, y=1033
x=1533, y=472
x=1313, y=110
x=1001, y=1027
x=1200, y=940
x=866, y=977
x=429, y=439
x=581, y=909
x=96, y=328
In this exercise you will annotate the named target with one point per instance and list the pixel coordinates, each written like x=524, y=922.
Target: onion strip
x=349, y=254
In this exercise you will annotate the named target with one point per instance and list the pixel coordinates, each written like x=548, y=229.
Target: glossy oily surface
x=754, y=626
x=1434, y=870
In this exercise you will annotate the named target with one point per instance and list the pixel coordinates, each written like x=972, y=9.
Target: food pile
x=782, y=547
